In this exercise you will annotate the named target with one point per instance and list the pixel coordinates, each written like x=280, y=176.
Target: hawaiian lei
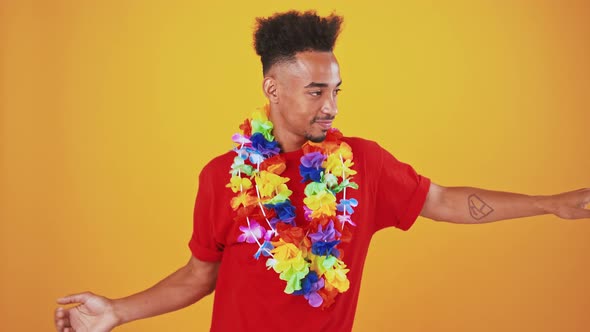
x=306, y=257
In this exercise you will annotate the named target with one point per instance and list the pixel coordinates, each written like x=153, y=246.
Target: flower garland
x=306, y=257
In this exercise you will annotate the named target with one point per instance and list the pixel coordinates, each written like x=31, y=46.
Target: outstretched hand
x=93, y=313
x=570, y=205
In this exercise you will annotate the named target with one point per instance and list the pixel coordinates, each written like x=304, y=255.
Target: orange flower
x=243, y=199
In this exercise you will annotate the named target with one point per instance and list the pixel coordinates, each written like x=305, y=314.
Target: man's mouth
x=325, y=124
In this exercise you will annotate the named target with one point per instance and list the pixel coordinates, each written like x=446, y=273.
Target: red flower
x=246, y=128
x=274, y=165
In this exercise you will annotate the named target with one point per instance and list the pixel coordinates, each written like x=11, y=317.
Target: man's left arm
x=466, y=205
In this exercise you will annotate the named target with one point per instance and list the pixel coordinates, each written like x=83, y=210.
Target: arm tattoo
x=477, y=207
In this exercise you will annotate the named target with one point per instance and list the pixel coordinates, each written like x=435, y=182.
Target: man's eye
x=337, y=91
x=316, y=93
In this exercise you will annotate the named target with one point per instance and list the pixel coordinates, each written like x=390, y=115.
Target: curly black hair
x=279, y=37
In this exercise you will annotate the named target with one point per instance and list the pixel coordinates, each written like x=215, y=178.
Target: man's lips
x=325, y=123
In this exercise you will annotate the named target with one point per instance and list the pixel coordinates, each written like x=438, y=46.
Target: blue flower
x=321, y=248
x=310, y=173
x=264, y=250
x=285, y=210
x=347, y=205
x=308, y=284
x=264, y=147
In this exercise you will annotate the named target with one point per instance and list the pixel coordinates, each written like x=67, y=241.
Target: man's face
x=307, y=91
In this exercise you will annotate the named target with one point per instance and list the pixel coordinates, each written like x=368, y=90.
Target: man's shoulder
x=362, y=144
x=219, y=165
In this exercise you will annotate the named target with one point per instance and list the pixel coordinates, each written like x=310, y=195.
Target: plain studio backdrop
x=109, y=109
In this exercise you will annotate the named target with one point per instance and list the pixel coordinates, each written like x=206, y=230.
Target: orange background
x=109, y=109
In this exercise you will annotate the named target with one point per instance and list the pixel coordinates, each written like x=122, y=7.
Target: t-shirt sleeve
x=401, y=193
x=203, y=243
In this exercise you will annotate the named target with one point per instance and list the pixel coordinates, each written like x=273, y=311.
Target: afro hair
x=279, y=37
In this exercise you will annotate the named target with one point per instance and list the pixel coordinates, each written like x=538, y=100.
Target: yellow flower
x=333, y=164
x=344, y=150
x=289, y=262
x=270, y=184
x=321, y=264
x=322, y=204
x=237, y=183
x=336, y=276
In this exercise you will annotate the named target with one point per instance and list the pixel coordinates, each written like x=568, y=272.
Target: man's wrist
x=543, y=203
x=119, y=311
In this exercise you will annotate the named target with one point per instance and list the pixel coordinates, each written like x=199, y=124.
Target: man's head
x=301, y=74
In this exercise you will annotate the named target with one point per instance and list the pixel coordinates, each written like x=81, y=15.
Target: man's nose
x=330, y=106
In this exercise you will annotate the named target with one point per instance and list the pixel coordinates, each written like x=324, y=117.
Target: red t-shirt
x=248, y=297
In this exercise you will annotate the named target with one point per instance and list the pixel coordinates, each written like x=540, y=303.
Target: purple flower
x=314, y=299
x=307, y=213
x=347, y=205
x=240, y=139
x=251, y=234
x=329, y=234
x=313, y=160
x=345, y=220
x=264, y=147
x=310, y=285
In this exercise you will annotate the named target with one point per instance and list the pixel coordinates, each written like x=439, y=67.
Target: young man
x=282, y=224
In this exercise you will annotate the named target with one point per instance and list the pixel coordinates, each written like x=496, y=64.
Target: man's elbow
x=437, y=205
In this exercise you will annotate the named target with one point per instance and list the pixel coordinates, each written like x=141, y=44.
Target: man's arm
x=466, y=205
x=95, y=313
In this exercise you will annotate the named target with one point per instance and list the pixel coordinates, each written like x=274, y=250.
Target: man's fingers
x=60, y=315
x=580, y=214
x=75, y=298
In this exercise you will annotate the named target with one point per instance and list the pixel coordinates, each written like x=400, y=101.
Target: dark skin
x=302, y=96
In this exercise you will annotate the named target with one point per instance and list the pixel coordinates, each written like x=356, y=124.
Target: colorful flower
x=252, y=233
x=244, y=199
x=310, y=173
x=328, y=234
x=310, y=285
x=347, y=205
x=264, y=250
x=322, y=204
x=285, y=210
x=260, y=124
x=307, y=258
x=322, y=248
x=313, y=160
x=289, y=262
x=237, y=184
x=263, y=146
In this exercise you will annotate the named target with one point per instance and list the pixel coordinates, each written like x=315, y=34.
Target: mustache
x=324, y=119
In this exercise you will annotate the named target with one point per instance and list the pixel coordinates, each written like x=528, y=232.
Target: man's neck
x=287, y=141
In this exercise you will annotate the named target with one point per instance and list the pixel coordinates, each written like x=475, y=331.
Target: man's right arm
x=182, y=288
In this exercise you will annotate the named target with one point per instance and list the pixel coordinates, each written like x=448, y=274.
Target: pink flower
x=251, y=234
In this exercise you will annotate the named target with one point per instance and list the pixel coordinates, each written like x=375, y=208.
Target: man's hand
x=93, y=313
x=568, y=205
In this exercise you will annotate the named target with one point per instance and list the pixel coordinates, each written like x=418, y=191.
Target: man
x=283, y=239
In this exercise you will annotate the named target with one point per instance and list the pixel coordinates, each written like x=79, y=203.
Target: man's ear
x=269, y=86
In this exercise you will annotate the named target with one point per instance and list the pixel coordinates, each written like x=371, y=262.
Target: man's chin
x=316, y=138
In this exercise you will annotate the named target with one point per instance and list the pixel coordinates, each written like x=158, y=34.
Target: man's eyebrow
x=320, y=85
